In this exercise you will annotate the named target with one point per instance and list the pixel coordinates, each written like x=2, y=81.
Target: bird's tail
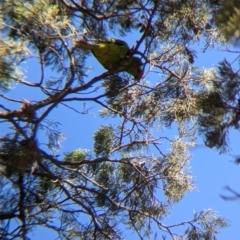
x=83, y=44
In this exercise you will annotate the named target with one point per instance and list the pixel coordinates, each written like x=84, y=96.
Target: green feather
x=113, y=54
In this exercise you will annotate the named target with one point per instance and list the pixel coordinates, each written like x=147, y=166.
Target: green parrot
x=114, y=54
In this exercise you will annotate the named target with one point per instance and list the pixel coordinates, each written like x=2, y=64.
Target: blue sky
x=212, y=172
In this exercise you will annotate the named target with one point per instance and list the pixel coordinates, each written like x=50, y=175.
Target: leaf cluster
x=220, y=107
x=132, y=181
x=228, y=20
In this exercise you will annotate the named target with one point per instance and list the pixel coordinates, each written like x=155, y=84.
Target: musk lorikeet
x=114, y=54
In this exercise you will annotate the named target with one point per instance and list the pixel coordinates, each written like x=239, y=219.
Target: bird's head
x=136, y=68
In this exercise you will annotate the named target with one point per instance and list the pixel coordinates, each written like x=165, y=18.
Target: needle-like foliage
x=137, y=169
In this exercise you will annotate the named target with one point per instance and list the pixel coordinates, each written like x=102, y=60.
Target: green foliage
x=103, y=141
x=17, y=157
x=132, y=181
x=176, y=172
x=114, y=85
x=207, y=219
x=10, y=55
x=76, y=156
x=220, y=107
x=6, y=72
x=228, y=19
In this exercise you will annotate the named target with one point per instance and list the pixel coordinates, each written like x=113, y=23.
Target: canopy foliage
x=130, y=181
